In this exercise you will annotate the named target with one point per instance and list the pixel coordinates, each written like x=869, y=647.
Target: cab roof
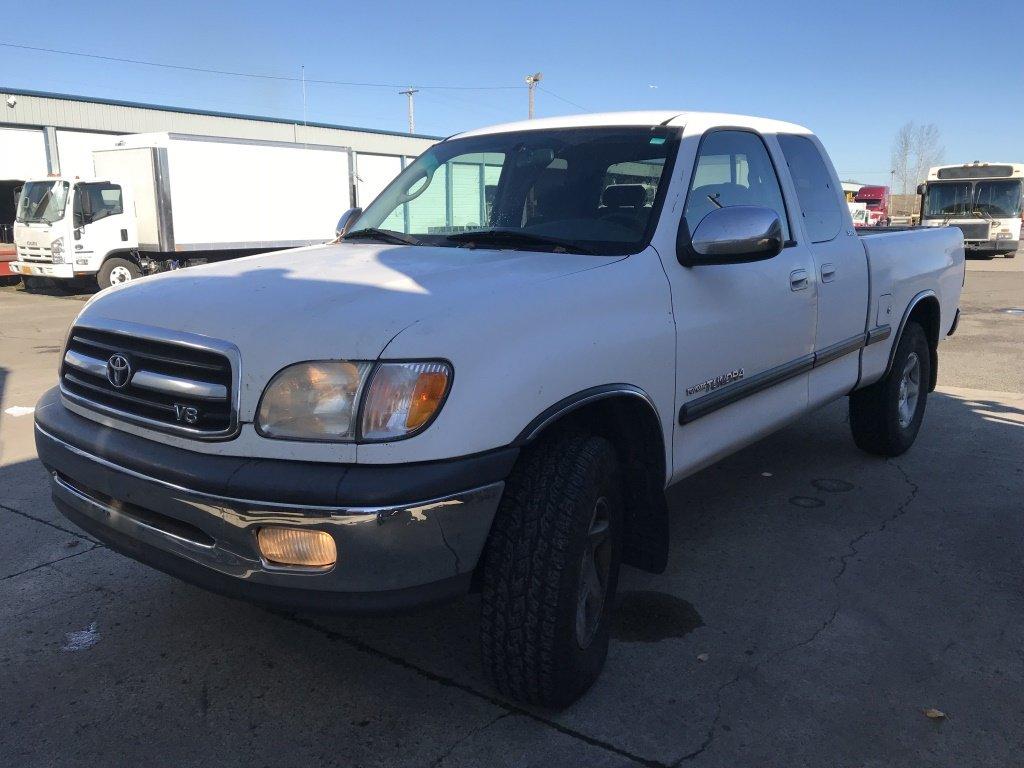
x=648, y=118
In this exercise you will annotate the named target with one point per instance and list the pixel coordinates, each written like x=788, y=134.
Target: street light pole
x=531, y=84
x=412, y=114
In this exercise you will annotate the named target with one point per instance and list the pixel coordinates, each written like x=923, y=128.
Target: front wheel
x=886, y=416
x=550, y=569
x=116, y=271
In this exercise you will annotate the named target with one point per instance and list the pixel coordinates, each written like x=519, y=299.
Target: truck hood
x=37, y=235
x=337, y=301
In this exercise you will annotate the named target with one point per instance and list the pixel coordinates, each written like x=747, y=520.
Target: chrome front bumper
x=389, y=557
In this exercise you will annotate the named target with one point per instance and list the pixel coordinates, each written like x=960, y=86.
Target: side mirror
x=732, y=235
x=348, y=218
x=921, y=189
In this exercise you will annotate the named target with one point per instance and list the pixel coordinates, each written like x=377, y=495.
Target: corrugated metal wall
x=58, y=111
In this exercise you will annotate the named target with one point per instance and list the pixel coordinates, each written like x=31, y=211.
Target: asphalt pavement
x=817, y=602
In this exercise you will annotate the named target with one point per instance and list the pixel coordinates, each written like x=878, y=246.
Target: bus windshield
x=949, y=200
x=42, y=202
x=998, y=198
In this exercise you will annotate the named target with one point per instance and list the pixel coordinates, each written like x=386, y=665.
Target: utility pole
x=531, y=84
x=303, y=75
x=412, y=114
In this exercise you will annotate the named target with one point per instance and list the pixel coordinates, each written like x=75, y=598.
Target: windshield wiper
x=499, y=237
x=387, y=235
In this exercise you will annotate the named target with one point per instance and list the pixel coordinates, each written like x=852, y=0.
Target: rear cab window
x=818, y=198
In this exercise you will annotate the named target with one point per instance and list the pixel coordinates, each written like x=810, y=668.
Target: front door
x=99, y=225
x=745, y=331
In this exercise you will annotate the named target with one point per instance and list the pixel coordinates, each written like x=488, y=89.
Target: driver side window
x=733, y=168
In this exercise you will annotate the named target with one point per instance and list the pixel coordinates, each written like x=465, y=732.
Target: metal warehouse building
x=43, y=133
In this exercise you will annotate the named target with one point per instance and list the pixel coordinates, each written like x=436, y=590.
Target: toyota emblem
x=119, y=370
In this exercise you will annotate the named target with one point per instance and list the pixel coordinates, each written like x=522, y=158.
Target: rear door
x=744, y=331
x=839, y=265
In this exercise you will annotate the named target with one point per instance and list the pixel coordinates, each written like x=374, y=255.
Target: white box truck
x=162, y=201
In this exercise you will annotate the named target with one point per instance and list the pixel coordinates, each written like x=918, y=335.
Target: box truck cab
x=166, y=200
x=983, y=199
x=71, y=228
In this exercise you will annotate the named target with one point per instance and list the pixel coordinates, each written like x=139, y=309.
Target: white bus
x=982, y=199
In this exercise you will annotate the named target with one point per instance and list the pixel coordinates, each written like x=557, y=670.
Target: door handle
x=828, y=273
x=798, y=279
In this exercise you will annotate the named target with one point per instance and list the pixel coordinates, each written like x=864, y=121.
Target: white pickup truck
x=490, y=379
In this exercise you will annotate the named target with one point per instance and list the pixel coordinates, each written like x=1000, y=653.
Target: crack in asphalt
x=33, y=518
x=52, y=562
x=852, y=551
x=475, y=732
x=448, y=682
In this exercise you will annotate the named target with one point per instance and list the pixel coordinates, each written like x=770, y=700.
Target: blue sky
x=853, y=71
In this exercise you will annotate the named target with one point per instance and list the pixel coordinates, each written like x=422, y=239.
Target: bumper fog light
x=297, y=546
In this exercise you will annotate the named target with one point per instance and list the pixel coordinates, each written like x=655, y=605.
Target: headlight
x=403, y=399
x=321, y=400
x=312, y=401
x=57, y=250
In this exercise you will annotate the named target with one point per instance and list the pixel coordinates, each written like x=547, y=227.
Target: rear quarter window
x=818, y=198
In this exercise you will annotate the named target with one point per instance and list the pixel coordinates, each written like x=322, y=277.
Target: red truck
x=877, y=201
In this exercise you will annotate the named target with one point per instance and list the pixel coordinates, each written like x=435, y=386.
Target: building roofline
x=209, y=113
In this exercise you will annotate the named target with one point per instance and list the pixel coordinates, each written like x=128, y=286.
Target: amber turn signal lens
x=297, y=547
x=426, y=398
x=402, y=398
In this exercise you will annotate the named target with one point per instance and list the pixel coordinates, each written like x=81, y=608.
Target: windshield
x=979, y=199
x=998, y=198
x=42, y=202
x=948, y=200
x=595, y=189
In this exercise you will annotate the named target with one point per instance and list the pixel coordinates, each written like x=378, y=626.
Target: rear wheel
x=116, y=271
x=550, y=570
x=886, y=417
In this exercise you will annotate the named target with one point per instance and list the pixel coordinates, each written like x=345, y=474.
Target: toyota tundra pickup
x=489, y=380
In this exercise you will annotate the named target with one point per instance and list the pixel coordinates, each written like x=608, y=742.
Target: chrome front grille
x=161, y=383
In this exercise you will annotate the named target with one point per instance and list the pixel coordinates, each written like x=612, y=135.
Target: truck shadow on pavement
x=777, y=625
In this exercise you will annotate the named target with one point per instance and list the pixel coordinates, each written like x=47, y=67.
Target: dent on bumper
x=389, y=557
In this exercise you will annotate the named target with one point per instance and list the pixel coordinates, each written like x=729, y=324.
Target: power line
x=549, y=92
x=255, y=75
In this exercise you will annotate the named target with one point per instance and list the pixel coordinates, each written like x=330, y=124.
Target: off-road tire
x=103, y=277
x=532, y=565
x=874, y=410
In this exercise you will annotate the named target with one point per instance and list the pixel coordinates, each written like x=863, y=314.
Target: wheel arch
x=924, y=309
x=628, y=418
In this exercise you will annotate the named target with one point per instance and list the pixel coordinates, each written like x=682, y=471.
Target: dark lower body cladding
x=406, y=535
